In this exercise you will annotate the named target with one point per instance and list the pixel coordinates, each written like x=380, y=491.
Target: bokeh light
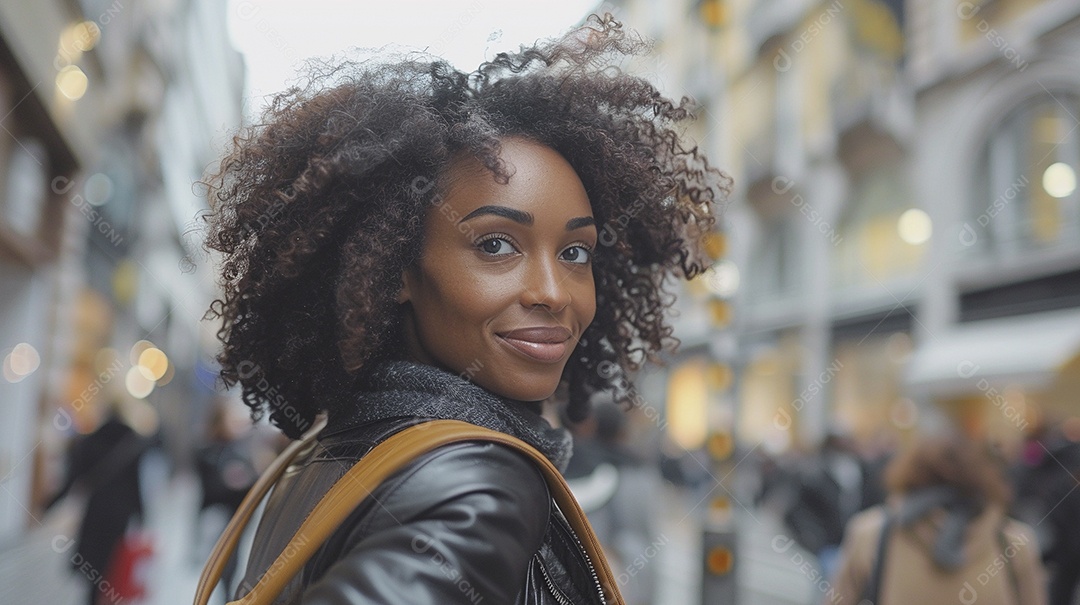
x=1059, y=180
x=138, y=385
x=153, y=363
x=915, y=226
x=72, y=82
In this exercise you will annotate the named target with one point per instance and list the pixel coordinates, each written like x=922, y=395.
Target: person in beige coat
x=948, y=538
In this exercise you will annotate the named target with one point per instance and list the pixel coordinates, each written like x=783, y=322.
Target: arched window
x=1025, y=196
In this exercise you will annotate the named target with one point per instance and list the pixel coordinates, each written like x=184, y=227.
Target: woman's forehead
x=537, y=173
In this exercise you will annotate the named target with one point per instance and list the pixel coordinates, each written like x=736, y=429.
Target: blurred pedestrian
x=1063, y=554
x=830, y=489
x=617, y=490
x=1048, y=484
x=104, y=466
x=943, y=536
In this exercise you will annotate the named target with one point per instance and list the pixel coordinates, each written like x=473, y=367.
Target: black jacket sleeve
x=458, y=526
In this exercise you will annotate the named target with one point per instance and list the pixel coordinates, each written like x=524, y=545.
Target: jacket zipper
x=588, y=561
x=555, y=592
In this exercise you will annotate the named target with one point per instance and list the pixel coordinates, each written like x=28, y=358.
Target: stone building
x=905, y=227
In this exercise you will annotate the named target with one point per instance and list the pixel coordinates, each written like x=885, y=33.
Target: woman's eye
x=496, y=246
x=577, y=254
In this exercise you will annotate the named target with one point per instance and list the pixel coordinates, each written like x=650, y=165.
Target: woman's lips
x=540, y=343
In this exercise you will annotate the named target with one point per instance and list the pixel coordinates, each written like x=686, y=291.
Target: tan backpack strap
x=226, y=544
x=382, y=462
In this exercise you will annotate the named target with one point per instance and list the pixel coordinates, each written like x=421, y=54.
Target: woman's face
x=504, y=286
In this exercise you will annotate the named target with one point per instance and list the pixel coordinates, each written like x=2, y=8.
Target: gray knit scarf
x=959, y=512
x=396, y=389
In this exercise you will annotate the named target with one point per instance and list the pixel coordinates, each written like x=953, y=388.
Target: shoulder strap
x=381, y=462
x=1014, y=582
x=873, y=584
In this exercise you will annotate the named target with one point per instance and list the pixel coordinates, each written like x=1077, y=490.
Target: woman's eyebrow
x=579, y=222
x=517, y=216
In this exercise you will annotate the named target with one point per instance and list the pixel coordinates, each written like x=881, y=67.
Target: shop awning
x=1027, y=351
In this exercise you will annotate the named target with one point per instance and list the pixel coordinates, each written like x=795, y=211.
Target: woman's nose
x=545, y=285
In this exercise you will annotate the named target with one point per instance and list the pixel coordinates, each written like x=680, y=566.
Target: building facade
x=904, y=227
x=111, y=111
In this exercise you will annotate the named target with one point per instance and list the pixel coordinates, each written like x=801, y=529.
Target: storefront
x=34, y=158
x=1000, y=378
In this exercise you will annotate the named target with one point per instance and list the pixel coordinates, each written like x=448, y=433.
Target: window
x=776, y=264
x=1025, y=196
x=870, y=247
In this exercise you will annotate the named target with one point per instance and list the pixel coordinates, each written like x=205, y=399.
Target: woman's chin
x=518, y=382
x=527, y=393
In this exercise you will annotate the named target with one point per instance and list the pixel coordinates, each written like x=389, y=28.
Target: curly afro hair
x=318, y=210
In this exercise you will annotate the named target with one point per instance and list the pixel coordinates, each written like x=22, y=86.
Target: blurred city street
x=888, y=309
x=33, y=572
x=36, y=571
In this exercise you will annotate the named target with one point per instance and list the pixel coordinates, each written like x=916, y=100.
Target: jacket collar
x=405, y=388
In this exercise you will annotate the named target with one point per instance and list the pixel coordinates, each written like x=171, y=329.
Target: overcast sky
x=275, y=36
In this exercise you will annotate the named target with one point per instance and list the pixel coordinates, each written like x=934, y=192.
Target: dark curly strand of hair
x=319, y=210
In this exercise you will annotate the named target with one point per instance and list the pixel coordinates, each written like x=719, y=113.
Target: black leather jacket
x=468, y=523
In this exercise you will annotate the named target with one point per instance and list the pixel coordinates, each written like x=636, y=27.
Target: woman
x=944, y=537
x=404, y=242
